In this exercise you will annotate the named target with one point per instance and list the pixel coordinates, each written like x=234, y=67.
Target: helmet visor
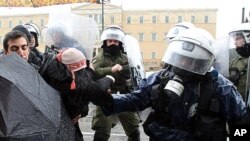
x=188, y=56
x=237, y=39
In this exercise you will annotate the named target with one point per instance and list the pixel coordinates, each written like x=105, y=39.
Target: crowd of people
x=190, y=99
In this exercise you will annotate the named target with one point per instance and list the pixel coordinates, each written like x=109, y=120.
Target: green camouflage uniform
x=102, y=125
x=241, y=64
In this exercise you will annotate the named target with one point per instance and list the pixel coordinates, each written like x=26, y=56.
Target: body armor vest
x=205, y=123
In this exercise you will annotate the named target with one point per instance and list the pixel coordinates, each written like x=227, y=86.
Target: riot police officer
x=35, y=35
x=190, y=100
x=240, y=39
x=113, y=62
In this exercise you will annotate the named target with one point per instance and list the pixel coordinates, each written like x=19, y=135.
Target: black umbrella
x=30, y=109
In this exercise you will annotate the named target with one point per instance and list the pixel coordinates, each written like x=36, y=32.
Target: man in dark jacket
x=190, y=100
x=16, y=41
x=33, y=59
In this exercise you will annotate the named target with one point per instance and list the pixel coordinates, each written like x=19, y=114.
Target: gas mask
x=174, y=88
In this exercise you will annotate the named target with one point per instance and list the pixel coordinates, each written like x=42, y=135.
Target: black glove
x=105, y=83
x=103, y=97
x=234, y=75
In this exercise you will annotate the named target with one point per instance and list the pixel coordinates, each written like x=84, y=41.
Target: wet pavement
x=117, y=132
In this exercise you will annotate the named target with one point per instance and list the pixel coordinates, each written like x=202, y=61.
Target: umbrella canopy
x=30, y=110
x=37, y=3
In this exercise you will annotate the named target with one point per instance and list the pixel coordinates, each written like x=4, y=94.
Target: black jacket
x=57, y=75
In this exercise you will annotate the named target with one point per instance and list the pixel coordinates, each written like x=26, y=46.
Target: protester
x=16, y=41
x=33, y=59
x=68, y=73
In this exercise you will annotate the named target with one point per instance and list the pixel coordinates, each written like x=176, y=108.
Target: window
x=141, y=19
x=20, y=22
x=0, y=24
x=42, y=22
x=99, y=34
x=96, y=18
x=141, y=37
x=128, y=20
x=154, y=19
x=192, y=19
x=153, y=36
x=206, y=19
x=153, y=55
x=179, y=19
x=31, y=21
x=10, y=24
x=166, y=19
x=100, y=18
x=112, y=20
x=164, y=35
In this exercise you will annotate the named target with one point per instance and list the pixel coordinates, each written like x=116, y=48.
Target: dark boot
x=135, y=136
x=99, y=139
x=100, y=136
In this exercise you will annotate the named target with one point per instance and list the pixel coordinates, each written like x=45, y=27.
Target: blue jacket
x=232, y=105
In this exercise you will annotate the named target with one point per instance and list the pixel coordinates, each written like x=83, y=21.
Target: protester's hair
x=24, y=30
x=13, y=35
x=82, y=79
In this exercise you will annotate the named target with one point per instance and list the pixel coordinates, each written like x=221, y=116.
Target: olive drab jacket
x=103, y=64
x=241, y=64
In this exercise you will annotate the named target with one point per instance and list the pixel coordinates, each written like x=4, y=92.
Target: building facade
x=148, y=26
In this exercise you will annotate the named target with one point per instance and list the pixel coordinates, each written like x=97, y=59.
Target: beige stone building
x=148, y=26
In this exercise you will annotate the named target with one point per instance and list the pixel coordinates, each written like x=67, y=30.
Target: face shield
x=75, y=32
x=238, y=39
x=189, y=56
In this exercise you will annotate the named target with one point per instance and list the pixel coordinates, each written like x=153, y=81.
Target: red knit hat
x=73, y=59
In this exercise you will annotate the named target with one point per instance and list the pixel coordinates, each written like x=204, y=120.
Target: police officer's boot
x=135, y=136
x=99, y=139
